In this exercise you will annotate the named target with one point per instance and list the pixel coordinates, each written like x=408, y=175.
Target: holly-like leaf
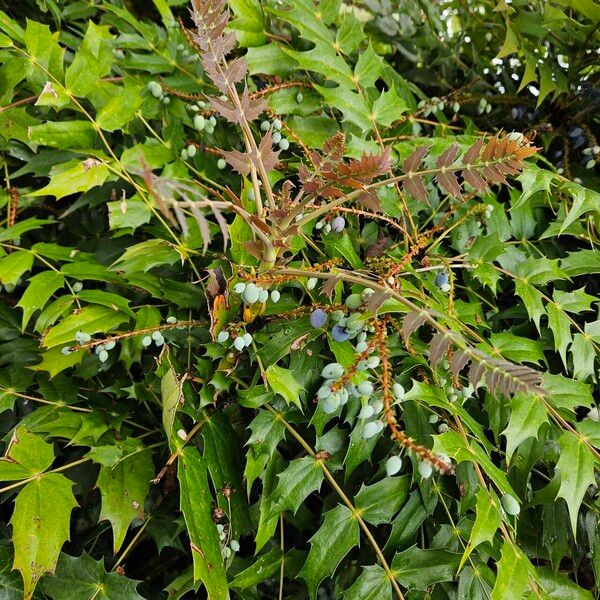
x=576, y=467
x=527, y=415
x=27, y=455
x=83, y=578
x=338, y=534
x=487, y=520
x=372, y=584
x=40, y=524
x=283, y=383
x=196, y=505
x=419, y=569
x=379, y=502
x=514, y=570
x=124, y=488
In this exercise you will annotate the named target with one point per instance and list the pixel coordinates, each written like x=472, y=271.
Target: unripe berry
x=284, y=144
x=239, y=287
x=265, y=125
x=275, y=296
x=146, y=341
x=373, y=362
x=377, y=406
x=370, y=429
x=277, y=124
x=110, y=345
x=251, y=293
x=331, y=404
x=365, y=388
x=247, y=339
x=366, y=412
x=221, y=164
x=354, y=301
x=66, y=351
x=166, y=100
x=393, y=465
x=212, y=121
x=332, y=371
x=239, y=344
x=425, y=469
x=184, y=154
x=398, y=391
x=276, y=138
x=103, y=356
x=263, y=296
x=510, y=505
x=171, y=320
x=222, y=336
x=191, y=150
x=299, y=98
x=234, y=545
x=77, y=286
x=311, y=283
x=199, y=122
x=318, y=318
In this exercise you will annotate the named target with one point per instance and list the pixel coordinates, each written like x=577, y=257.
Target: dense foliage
x=299, y=301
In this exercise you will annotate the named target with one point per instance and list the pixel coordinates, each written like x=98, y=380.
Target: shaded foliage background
x=139, y=446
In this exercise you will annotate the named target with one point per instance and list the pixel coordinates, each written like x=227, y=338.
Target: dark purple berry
x=441, y=278
x=318, y=318
x=339, y=333
x=338, y=224
x=578, y=142
x=575, y=132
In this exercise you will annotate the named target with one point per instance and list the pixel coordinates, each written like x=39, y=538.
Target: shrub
x=295, y=304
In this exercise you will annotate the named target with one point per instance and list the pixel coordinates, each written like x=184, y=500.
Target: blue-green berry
x=299, y=98
x=393, y=465
x=354, y=301
x=263, y=296
x=276, y=138
x=425, y=469
x=221, y=164
x=275, y=296
x=239, y=344
x=277, y=124
x=332, y=371
x=370, y=429
x=191, y=150
x=199, y=122
x=222, y=336
x=103, y=356
x=239, y=287
x=247, y=339
x=284, y=144
x=146, y=341
x=251, y=293
x=77, y=286
x=311, y=283
x=265, y=125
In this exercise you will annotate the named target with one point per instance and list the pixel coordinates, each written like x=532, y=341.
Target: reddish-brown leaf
x=412, y=163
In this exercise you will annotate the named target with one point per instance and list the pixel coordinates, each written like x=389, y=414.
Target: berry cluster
x=157, y=91
x=276, y=126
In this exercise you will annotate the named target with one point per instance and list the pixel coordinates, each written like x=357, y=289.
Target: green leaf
x=124, y=488
x=582, y=262
x=14, y=265
x=511, y=43
x=128, y=214
x=558, y=586
x=302, y=477
x=64, y=134
x=27, y=455
x=527, y=415
x=83, y=578
x=351, y=105
x=368, y=67
x=145, y=256
x=560, y=325
x=584, y=356
x=90, y=319
x=38, y=292
x=513, y=574
x=350, y=34
x=269, y=59
x=171, y=393
x=379, y=502
x=389, y=107
x=576, y=467
x=197, y=505
x=283, y=383
x=518, y=349
x=248, y=23
x=72, y=177
x=566, y=393
x=93, y=61
x=40, y=524
x=120, y=109
x=372, y=584
x=487, y=520
x=334, y=539
x=418, y=569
